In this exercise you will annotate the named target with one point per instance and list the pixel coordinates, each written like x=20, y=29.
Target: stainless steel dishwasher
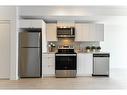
x=101, y=64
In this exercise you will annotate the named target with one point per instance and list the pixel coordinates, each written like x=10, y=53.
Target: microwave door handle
x=71, y=31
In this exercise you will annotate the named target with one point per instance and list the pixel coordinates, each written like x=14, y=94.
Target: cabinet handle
x=49, y=65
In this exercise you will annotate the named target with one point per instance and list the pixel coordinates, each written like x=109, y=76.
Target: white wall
x=115, y=40
x=9, y=13
x=4, y=49
x=72, y=10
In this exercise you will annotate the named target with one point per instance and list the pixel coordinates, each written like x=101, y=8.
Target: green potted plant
x=51, y=47
x=98, y=48
x=93, y=48
x=88, y=49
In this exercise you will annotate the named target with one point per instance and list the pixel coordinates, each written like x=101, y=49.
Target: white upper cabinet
x=82, y=32
x=51, y=32
x=96, y=32
x=99, y=28
x=30, y=23
x=89, y=32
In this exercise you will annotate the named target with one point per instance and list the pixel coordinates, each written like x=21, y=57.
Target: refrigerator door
x=30, y=39
x=30, y=62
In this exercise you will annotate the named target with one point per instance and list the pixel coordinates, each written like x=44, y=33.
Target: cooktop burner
x=66, y=51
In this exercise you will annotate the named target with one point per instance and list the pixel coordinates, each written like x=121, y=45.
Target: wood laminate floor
x=117, y=80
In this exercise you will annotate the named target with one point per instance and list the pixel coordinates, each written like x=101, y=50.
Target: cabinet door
x=88, y=64
x=82, y=32
x=99, y=28
x=51, y=32
x=48, y=64
x=80, y=68
x=51, y=65
x=30, y=23
x=84, y=64
x=96, y=32
x=89, y=32
x=44, y=64
x=36, y=23
x=25, y=23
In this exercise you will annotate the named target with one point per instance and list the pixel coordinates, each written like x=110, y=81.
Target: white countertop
x=91, y=52
x=48, y=52
x=78, y=52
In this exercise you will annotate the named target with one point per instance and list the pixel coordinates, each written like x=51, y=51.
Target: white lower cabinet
x=84, y=64
x=48, y=65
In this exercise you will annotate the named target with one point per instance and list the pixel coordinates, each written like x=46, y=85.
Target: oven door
x=65, y=62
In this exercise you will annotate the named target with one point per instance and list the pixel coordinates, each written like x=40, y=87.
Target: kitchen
x=68, y=40
x=66, y=46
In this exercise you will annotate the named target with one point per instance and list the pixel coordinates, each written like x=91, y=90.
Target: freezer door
x=101, y=66
x=30, y=39
x=30, y=62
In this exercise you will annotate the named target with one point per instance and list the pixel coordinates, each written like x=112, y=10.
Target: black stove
x=65, y=63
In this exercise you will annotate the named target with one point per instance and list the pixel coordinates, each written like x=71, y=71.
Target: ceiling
x=75, y=13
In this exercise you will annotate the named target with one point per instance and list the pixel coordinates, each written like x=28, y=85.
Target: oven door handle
x=65, y=54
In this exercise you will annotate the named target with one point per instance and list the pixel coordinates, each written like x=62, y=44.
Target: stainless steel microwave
x=65, y=32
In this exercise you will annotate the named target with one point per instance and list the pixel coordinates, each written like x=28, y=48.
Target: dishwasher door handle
x=101, y=55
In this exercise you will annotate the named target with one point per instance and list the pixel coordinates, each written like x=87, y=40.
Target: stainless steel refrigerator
x=30, y=54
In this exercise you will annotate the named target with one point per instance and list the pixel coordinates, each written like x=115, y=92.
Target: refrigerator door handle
x=38, y=52
x=39, y=39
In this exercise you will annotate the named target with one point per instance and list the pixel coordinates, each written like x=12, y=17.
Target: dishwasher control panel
x=101, y=55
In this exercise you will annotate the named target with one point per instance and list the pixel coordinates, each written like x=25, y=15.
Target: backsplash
x=66, y=41
x=78, y=46
x=85, y=44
